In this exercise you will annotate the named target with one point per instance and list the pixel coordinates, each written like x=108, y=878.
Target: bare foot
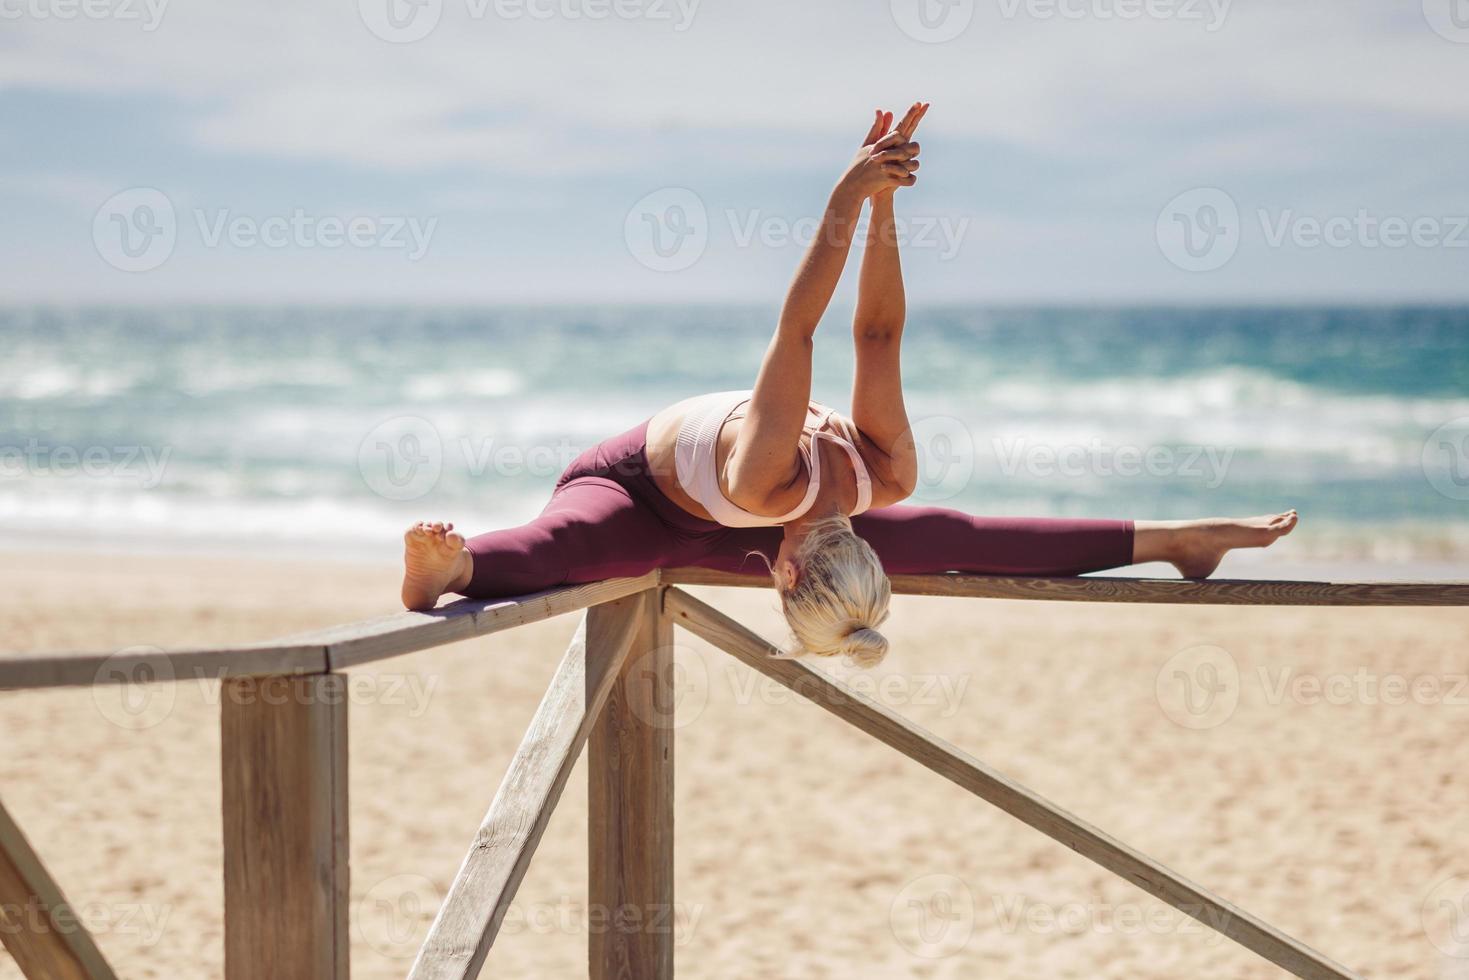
x=1196, y=547
x=434, y=562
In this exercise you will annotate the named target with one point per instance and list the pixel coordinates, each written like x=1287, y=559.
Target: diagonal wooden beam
x=37, y=924
x=988, y=784
x=465, y=927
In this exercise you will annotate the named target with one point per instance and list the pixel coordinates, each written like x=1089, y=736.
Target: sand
x=804, y=848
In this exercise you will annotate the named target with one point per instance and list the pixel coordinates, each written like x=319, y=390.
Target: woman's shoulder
x=889, y=485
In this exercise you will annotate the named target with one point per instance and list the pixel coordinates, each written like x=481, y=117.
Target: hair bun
x=865, y=647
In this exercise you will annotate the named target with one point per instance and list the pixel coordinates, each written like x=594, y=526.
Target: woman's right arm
x=764, y=458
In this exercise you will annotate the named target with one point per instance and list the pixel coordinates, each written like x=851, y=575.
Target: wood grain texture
x=38, y=926
x=962, y=769
x=149, y=665
x=465, y=928
x=1206, y=592
x=284, y=779
x=316, y=652
x=630, y=811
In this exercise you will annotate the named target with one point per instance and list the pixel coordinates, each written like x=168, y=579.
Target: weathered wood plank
x=20, y=671
x=1205, y=592
x=630, y=811
x=465, y=928
x=284, y=775
x=315, y=652
x=391, y=636
x=959, y=767
x=37, y=925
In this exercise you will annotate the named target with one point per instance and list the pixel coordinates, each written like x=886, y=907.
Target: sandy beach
x=1322, y=798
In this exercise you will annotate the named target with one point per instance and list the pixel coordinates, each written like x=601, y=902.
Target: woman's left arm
x=877, y=333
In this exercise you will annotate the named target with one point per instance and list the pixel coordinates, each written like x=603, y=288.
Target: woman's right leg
x=592, y=529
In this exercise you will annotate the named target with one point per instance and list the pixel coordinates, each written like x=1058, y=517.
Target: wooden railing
x=284, y=766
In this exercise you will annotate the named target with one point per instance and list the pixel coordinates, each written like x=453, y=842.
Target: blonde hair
x=841, y=595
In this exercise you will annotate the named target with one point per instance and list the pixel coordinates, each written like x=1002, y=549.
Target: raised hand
x=886, y=162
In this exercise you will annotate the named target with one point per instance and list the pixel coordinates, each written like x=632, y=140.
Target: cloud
x=310, y=81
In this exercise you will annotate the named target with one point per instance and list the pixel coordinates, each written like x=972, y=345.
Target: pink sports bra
x=697, y=458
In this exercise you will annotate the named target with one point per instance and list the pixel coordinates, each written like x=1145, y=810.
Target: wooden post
x=630, y=911
x=284, y=755
x=37, y=924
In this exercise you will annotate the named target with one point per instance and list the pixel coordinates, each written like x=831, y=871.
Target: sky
x=482, y=151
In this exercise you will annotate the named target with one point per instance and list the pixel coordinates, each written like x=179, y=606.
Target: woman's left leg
x=932, y=540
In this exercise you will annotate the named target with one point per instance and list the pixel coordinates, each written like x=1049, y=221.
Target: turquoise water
x=331, y=428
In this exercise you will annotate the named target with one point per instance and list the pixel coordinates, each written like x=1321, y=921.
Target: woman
x=714, y=480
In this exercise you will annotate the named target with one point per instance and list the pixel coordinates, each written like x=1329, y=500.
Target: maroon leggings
x=607, y=519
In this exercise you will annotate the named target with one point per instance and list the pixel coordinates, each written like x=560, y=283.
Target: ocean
x=325, y=431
